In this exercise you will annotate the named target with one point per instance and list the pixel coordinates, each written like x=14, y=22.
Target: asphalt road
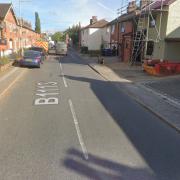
x=64, y=121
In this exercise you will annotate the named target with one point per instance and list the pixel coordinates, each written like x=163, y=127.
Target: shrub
x=84, y=49
x=15, y=55
x=4, y=60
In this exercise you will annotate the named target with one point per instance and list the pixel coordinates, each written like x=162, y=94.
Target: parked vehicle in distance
x=31, y=59
x=41, y=50
x=52, y=50
x=61, y=48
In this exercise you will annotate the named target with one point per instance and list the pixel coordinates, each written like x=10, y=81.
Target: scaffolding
x=142, y=20
x=141, y=36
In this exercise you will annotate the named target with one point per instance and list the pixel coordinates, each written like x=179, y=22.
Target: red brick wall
x=114, y=35
x=126, y=40
x=11, y=31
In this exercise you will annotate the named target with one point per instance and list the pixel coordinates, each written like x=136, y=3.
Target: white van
x=61, y=48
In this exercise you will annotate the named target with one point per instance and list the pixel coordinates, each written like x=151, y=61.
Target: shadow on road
x=157, y=143
x=101, y=169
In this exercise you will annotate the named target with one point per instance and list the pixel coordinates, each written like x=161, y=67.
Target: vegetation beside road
x=72, y=32
x=4, y=60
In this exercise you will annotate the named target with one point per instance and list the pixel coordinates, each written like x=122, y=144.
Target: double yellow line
x=12, y=83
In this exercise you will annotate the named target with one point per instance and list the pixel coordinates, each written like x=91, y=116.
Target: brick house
x=10, y=31
x=127, y=28
x=29, y=36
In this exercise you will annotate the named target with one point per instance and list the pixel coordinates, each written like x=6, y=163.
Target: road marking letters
x=47, y=92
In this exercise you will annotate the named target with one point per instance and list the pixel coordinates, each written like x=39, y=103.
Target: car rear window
x=31, y=54
x=37, y=49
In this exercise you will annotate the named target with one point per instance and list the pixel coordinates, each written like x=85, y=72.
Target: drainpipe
x=117, y=36
x=147, y=33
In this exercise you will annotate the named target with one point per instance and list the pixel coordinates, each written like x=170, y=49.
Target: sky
x=58, y=15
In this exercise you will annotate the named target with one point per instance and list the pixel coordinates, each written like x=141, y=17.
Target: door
x=127, y=49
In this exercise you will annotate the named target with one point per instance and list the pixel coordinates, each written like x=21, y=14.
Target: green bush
x=4, y=60
x=84, y=50
x=15, y=55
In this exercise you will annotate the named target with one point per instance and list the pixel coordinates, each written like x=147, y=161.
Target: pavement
x=158, y=94
x=65, y=121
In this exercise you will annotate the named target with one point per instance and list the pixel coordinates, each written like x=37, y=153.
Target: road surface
x=64, y=121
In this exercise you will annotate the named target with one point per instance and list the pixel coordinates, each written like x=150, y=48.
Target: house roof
x=129, y=16
x=156, y=4
x=99, y=24
x=114, y=21
x=4, y=8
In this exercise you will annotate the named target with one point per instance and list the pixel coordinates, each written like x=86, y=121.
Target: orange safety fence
x=42, y=44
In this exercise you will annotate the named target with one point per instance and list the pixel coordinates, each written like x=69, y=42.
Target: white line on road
x=10, y=85
x=60, y=66
x=62, y=74
x=83, y=147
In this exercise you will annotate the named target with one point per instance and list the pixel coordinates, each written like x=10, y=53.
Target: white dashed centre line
x=62, y=74
x=83, y=147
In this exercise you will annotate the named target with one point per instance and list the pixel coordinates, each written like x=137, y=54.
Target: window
x=112, y=29
x=10, y=44
x=152, y=22
x=122, y=27
x=150, y=48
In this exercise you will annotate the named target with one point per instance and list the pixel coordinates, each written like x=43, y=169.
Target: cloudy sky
x=60, y=14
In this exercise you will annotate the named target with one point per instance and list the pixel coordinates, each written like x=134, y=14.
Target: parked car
x=61, y=48
x=31, y=59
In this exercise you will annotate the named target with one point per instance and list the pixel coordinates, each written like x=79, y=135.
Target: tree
x=73, y=33
x=58, y=36
x=37, y=23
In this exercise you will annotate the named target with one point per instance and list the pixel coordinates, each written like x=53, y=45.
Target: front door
x=127, y=49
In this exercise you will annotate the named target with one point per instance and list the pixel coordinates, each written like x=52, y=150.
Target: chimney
x=93, y=20
x=144, y=3
x=132, y=6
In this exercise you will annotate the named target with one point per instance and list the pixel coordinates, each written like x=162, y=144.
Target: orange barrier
x=42, y=44
x=162, y=68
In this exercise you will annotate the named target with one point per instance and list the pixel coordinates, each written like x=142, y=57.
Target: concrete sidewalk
x=158, y=94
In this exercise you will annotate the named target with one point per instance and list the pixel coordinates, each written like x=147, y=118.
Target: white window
x=10, y=44
x=112, y=29
x=152, y=22
x=122, y=29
